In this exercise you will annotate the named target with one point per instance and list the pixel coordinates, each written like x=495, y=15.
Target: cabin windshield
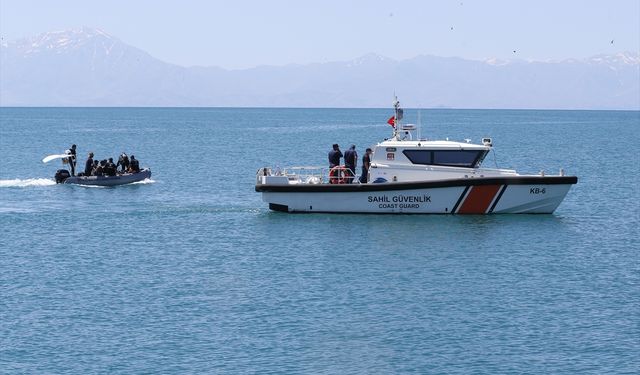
x=451, y=158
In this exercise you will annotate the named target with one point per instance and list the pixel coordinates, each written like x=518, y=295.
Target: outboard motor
x=61, y=175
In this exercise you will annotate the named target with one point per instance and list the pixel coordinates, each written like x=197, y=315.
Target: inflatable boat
x=64, y=177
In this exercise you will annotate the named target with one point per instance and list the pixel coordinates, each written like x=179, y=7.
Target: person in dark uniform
x=334, y=156
x=100, y=168
x=123, y=161
x=72, y=159
x=88, y=165
x=95, y=166
x=350, y=161
x=110, y=169
x=134, y=166
x=366, y=163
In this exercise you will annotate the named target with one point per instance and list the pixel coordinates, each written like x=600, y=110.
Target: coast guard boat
x=415, y=176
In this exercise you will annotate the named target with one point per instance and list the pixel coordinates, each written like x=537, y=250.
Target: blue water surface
x=191, y=273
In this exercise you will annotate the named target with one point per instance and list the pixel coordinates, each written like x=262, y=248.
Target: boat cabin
x=395, y=160
x=436, y=153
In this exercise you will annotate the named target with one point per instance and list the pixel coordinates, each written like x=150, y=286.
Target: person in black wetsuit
x=88, y=165
x=94, y=168
x=72, y=159
x=123, y=161
x=134, y=166
x=100, y=169
x=350, y=161
x=110, y=169
x=366, y=162
x=334, y=156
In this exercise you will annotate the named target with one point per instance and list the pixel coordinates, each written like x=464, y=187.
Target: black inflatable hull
x=122, y=179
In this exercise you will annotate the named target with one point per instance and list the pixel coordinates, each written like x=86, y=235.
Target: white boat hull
x=534, y=195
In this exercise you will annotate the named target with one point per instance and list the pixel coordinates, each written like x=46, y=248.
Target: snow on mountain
x=88, y=67
x=369, y=58
x=626, y=58
x=61, y=41
x=496, y=62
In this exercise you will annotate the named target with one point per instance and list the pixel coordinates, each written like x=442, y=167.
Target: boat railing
x=301, y=175
x=306, y=175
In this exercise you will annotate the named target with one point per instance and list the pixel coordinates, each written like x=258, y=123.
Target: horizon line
x=327, y=108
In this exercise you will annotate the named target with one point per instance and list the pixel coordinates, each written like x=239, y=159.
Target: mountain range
x=88, y=67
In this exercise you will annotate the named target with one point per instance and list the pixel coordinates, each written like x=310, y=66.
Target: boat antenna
x=397, y=116
x=419, y=125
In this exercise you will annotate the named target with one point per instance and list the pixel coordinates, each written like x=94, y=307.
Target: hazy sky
x=240, y=34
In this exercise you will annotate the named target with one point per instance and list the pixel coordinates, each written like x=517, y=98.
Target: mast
x=397, y=117
x=419, y=125
x=396, y=120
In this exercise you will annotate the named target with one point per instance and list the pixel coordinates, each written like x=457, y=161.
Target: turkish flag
x=392, y=121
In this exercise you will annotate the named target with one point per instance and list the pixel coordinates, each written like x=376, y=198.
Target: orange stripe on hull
x=479, y=199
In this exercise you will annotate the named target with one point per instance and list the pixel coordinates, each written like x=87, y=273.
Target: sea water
x=189, y=272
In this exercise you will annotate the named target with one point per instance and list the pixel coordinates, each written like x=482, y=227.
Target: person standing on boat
x=366, y=163
x=334, y=156
x=123, y=161
x=350, y=162
x=72, y=159
x=88, y=165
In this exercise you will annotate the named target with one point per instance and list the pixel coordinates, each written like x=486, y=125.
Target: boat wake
x=143, y=182
x=27, y=182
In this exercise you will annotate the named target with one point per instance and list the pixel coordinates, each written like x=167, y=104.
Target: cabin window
x=452, y=158
x=419, y=156
x=456, y=158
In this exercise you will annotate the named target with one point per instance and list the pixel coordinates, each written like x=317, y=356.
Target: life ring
x=338, y=175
